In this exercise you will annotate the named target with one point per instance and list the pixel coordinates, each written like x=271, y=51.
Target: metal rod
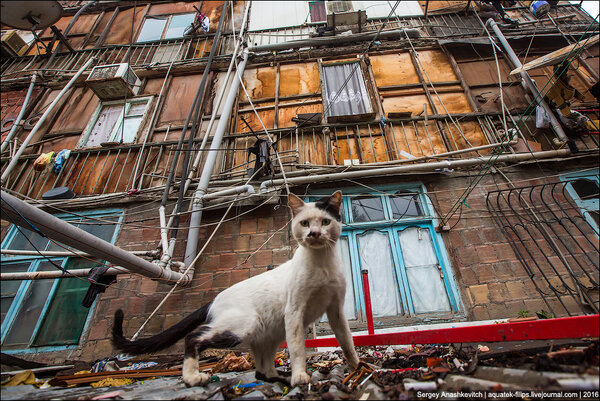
x=28, y=216
x=52, y=274
x=368, y=308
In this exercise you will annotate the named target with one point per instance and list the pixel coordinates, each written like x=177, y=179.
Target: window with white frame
x=47, y=312
x=584, y=188
x=165, y=27
x=345, y=93
x=115, y=121
x=391, y=234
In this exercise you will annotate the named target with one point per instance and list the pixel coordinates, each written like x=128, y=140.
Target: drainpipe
x=35, y=129
x=528, y=82
x=337, y=40
x=25, y=215
x=13, y=129
x=414, y=168
x=192, y=240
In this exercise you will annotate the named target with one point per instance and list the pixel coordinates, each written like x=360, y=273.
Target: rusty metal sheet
x=411, y=103
x=485, y=72
x=471, y=136
x=287, y=113
x=487, y=98
x=345, y=151
x=99, y=28
x=299, y=79
x=125, y=26
x=373, y=144
x=437, y=66
x=77, y=111
x=418, y=139
x=179, y=99
x=267, y=117
x=393, y=69
x=178, y=7
x=453, y=103
x=259, y=82
x=443, y=6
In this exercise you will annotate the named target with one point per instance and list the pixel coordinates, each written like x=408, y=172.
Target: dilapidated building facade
x=468, y=196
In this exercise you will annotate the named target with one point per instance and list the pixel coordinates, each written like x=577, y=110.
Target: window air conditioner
x=338, y=6
x=13, y=44
x=114, y=81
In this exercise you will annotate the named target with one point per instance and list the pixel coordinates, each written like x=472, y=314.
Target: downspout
x=13, y=129
x=192, y=240
x=264, y=187
x=25, y=215
x=528, y=82
x=41, y=121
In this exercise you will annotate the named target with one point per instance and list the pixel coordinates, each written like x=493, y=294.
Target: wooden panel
x=122, y=29
x=417, y=139
x=179, y=99
x=259, y=82
x=287, y=113
x=99, y=28
x=437, y=66
x=411, y=103
x=485, y=72
x=267, y=117
x=299, y=79
x=344, y=149
x=202, y=47
x=471, y=132
x=77, y=111
x=394, y=69
x=443, y=6
x=454, y=103
x=488, y=98
x=173, y=8
x=373, y=146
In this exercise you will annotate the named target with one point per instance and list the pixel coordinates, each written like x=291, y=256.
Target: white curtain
x=376, y=257
x=349, y=99
x=426, y=285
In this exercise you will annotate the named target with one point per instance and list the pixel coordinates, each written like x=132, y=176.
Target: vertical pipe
x=367, y=293
x=41, y=121
x=196, y=217
x=529, y=83
x=13, y=129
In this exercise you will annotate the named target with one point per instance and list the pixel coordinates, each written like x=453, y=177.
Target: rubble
x=403, y=372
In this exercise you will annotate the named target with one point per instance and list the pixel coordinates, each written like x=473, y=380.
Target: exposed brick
x=505, y=252
x=103, y=349
x=492, y=235
x=535, y=305
x=485, y=273
x=479, y=294
x=223, y=244
x=222, y=280
x=516, y=289
x=148, y=286
x=203, y=280
x=468, y=256
x=514, y=307
x=228, y=260
x=210, y=262
x=135, y=305
x=241, y=243
x=263, y=258
x=280, y=256
x=498, y=292
x=257, y=240
x=264, y=224
x=99, y=330
x=238, y=275
x=255, y=271
x=453, y=239
x=467, y=276
x=487, y=253
x=248, y=227
x=480, y=313
x=471, y=237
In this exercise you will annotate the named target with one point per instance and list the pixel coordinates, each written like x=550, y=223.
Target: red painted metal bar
x=544, y=329
x=369, y=310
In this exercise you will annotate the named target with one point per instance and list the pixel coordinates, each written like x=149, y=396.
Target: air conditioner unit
x=113, y=81
x=13, y=44
x=338, y=6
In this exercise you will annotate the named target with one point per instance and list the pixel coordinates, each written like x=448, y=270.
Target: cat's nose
x=315, y=234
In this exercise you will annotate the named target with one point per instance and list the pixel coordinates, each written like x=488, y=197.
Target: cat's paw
x=299, y=378
x=197, y=379
x=352, y=361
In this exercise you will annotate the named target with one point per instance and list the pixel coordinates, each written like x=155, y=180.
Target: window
x=584, y=190
x=317, y=11
x=164, y=27
x=391, y=235
x=115, y=121
x=345, y=93
x=42, y=313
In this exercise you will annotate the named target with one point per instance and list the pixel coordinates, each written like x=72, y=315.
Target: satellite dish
x=30, y=15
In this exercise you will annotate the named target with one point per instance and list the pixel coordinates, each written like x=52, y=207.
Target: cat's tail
x=161, y=340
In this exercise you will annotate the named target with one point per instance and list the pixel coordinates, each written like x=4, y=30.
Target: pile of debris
x=395, y=372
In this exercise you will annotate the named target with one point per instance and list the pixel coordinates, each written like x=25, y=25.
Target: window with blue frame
x=48, y=312
x=584, y=189
x=390, y=232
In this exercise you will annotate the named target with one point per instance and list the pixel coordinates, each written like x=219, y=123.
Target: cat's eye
x=304, y=223
x=325, y=222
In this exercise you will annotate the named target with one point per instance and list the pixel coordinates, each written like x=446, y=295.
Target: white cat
x=262, y=311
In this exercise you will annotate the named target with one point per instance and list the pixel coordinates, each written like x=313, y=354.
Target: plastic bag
x=60, y=160
x=541, y=118
x=42, y=161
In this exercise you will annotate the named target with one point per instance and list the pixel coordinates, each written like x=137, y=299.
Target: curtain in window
x=349, y=99
x=426, y=285
x=344, y=252
x=376, y=256
x=105, y=124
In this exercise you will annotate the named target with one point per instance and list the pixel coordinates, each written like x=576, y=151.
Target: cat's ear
x=335, y=201
x=295, y=203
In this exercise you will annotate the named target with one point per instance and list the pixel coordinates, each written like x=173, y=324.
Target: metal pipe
x=20, y=252
x=368, y=307
x=529, y=83
x=414, y=168
x=209, y=164
x=41, y=275
x=28, y=216
x=13, y=129
x=41, y=121
x=337, y=40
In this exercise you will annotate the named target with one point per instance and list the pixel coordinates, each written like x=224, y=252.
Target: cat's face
x=318, y=224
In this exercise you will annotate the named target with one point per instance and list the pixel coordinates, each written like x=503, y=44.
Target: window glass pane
x=30, y=310
x=405, y=206
x=349, y=302
x=129, y=130
x=136, y=109
x=352, y=98
x=66, y=316
x=586, y=189
x=20, y=242
x=595, y=216
x=426, y=285
x=109, y=115
x=152, y=29
x=367, y=208
x=178, y=24
x=10, y=287
x=103, y=231
x=376, y=256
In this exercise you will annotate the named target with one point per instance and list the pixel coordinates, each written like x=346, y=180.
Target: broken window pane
x=423, y=271
x=376, y=256
x=345, y=90
x=367, y=208
x=586, y=189
x=405, y=205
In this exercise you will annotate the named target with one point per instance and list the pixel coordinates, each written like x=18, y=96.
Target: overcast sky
x=590, y=6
